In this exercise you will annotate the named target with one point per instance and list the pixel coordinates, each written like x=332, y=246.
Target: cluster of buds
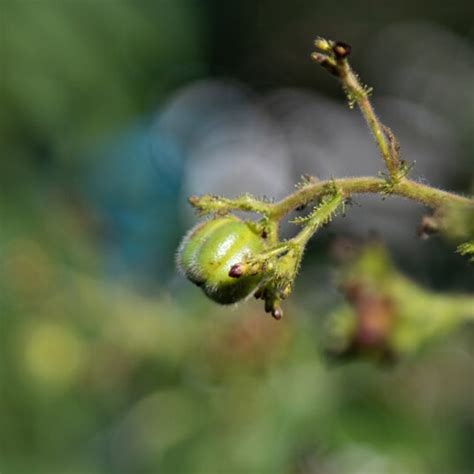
x=211, y=249
x=331, y=54
x=278, y=267
x=231, y=259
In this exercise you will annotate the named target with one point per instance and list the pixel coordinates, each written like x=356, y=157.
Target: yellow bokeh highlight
x=53, y=355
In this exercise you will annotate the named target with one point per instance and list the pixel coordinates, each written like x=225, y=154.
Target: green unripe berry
x=208, y=252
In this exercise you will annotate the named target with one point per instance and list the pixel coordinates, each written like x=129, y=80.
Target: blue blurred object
x=133, y=188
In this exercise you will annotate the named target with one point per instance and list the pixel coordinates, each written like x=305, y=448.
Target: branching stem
x=281, y=260
x=334, y=59
x=431, y=197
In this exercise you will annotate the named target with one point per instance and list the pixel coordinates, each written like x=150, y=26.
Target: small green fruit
x=208, y=252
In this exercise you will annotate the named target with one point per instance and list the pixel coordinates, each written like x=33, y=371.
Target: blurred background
x=112, y=112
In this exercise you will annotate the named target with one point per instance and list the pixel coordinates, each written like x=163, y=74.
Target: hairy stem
x=320, y=216
x=334, y=59
x=409, y=189
x=360, y=95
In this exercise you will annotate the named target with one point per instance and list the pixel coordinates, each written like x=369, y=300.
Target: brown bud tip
x=193, y=200
x=328, y=63
x=342, y=50
x=429, y=226
x=236, y=271
x=318, y=57
x=277, y=314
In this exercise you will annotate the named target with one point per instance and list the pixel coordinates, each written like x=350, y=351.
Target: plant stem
x=360, y=94
x=334, y=59
x=320, y=216
x=409, y=189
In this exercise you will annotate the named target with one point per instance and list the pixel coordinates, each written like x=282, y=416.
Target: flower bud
x=214, y=247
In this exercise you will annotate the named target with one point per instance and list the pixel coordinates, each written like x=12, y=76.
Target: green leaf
x=467, y=249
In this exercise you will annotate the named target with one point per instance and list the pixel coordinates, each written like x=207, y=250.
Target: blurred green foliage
x=73, y=71
x=97, y=376
x=388, y=315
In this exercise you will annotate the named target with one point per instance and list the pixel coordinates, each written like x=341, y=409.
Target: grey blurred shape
x=239, y=142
